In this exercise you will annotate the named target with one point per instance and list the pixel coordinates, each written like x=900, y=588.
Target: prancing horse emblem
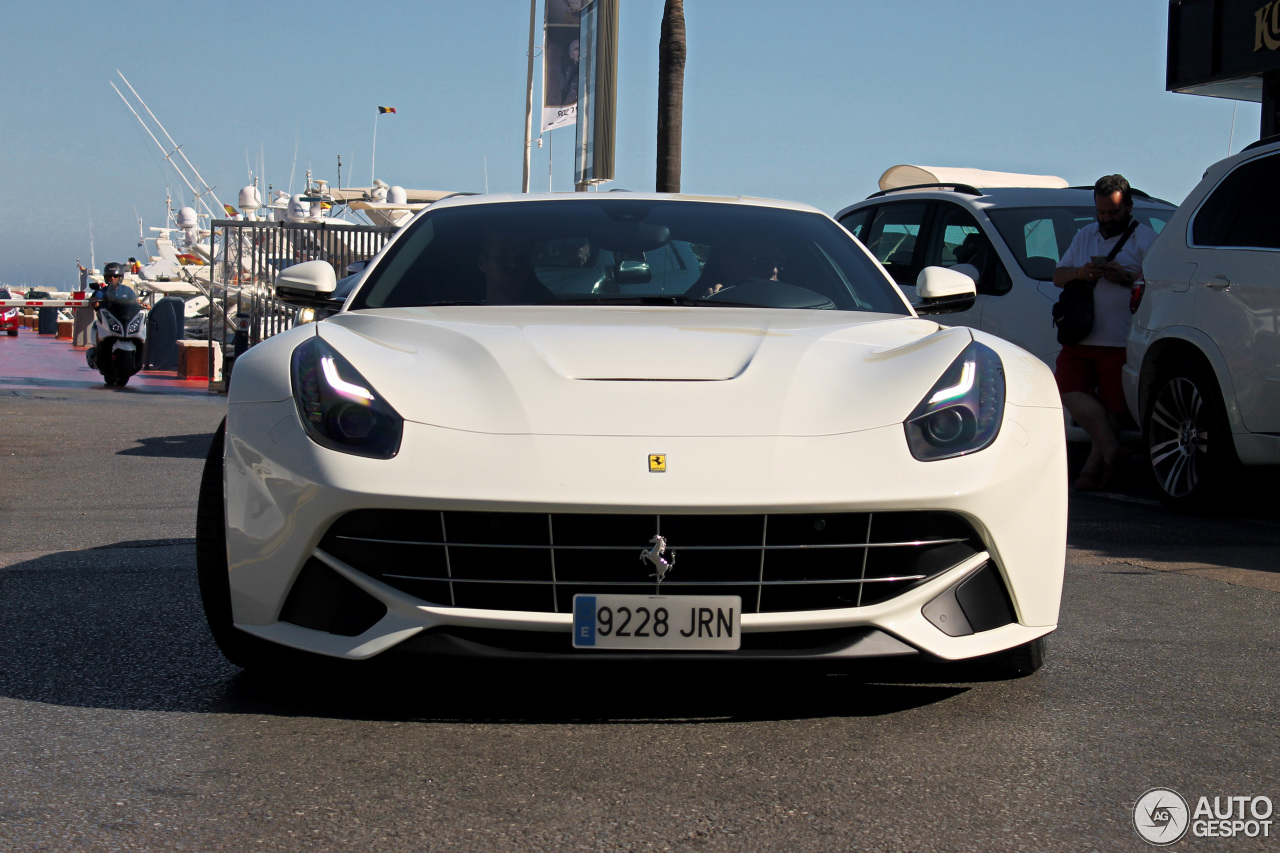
x=654, y=556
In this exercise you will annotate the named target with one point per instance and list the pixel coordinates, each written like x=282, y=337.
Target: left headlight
x=962, y=412
x=338, y=406
x=135, y=325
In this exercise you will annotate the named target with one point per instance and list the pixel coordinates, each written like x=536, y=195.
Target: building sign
x=1222, y=48
x=1266, y=27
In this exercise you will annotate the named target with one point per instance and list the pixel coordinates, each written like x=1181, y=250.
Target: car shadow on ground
x=171, y=446
x=1252, y=493
x=121, y=627
x=569, y=694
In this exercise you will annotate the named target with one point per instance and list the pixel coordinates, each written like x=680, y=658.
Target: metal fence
x=243, y=309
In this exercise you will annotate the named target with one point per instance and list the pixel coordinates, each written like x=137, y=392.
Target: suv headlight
x=338, y=406
x=962, y=412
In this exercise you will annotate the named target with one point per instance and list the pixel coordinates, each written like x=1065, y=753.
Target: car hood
x=646, y=371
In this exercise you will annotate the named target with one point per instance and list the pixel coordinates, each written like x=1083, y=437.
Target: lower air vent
x=323, y=600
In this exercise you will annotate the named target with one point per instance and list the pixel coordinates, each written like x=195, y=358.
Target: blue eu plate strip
x=584, y=620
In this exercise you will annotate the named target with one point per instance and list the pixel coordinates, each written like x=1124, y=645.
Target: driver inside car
x=742, y=261
x=506, y=260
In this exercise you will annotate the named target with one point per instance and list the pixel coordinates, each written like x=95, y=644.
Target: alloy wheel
x=1178, y=437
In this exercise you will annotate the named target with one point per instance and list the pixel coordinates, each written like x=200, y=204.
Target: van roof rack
x=951, y=185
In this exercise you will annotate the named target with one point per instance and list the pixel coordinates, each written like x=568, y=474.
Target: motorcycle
x=118, y=334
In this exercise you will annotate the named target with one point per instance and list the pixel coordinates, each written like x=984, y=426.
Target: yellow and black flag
x=383, y=110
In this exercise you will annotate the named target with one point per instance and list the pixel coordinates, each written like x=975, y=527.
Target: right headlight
x=962, y=412
x=338, y=407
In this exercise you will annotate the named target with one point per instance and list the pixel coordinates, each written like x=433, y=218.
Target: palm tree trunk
x=671, y=57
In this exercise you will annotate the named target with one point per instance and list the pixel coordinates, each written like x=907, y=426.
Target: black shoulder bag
x=1073, y=312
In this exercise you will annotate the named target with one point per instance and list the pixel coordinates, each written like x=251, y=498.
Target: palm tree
x=671, y=56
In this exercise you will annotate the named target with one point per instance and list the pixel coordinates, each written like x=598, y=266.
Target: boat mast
x=176, y=147
x=159, y=145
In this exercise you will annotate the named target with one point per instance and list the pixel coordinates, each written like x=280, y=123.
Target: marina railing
x=243, y=309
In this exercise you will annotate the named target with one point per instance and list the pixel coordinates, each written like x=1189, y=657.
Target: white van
x=1006, y=231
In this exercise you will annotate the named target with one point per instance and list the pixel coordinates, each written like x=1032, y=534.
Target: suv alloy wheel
x=1187, y=437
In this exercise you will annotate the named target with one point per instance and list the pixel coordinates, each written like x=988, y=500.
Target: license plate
x=663, y=622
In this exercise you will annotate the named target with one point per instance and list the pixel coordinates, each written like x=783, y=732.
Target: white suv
x=1006, y=231
x=1203, y=371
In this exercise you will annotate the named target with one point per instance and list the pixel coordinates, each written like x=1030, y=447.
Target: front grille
x=539, y=561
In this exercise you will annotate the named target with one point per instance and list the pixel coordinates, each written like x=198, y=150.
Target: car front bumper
x=284, y=493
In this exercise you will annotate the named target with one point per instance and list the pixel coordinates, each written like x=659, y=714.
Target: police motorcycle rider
x=119, y=330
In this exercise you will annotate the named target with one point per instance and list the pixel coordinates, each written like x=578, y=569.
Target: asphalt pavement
x=122, y=728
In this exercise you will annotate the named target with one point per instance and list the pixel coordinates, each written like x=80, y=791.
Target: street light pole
x=528, y=103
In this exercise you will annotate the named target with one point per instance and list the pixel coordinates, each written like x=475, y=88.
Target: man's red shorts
x=1093, y=370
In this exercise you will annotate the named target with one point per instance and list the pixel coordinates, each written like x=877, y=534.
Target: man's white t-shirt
x=1111, y=317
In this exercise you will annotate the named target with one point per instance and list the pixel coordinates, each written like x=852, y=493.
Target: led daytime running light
x=337, y=383
x=959, y=389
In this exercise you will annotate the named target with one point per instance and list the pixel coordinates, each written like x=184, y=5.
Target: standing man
x=569, y=75
x=1088, y=372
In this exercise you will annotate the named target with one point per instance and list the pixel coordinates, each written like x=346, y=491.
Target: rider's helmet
x=113, y=273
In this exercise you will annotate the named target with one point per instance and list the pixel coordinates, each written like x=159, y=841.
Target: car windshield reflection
x=627, y=251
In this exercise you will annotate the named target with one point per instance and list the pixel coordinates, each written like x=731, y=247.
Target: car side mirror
x=306, y=285
x=944, y=291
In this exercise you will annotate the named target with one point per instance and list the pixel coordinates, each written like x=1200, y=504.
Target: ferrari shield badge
x=657, y=463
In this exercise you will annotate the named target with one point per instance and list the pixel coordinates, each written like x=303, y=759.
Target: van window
x=855, y=222
x=958, y=239
x=892, y=238
x=1244, y=210
x=1038, y=236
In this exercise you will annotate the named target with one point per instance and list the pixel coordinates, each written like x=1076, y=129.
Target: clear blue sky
x=807, y=100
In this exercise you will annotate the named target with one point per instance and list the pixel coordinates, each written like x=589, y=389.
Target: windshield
x=122, y=302
x=627, y=251
x=1038, y=236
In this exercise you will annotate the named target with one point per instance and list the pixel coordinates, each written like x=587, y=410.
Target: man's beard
x=1114, y=227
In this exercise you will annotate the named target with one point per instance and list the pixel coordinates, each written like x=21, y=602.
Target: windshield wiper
x=634, y=300
x=448, y=302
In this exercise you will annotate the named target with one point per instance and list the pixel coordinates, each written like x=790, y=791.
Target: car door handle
x=1219, y=282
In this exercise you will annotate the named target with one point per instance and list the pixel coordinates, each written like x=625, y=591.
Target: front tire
x=1188, y=438
x=122, y=362
x=243, y=650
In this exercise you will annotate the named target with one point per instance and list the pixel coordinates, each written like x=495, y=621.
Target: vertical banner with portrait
x=560, y=56
x=599, y=96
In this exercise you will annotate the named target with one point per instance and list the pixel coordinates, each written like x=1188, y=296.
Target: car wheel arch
x=1187, y=344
